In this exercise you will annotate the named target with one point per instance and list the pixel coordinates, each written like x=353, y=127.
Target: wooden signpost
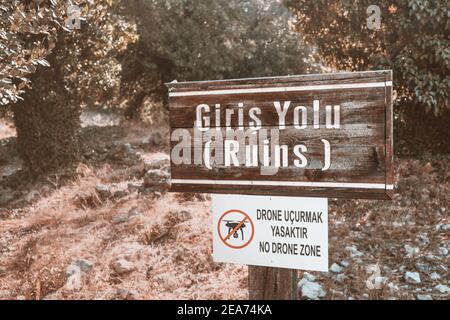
x=325, y=135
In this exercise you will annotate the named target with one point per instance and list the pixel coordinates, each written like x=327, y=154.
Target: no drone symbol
x=235, y=229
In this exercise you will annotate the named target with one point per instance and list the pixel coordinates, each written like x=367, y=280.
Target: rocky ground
x=113, y=232
x=391, y=249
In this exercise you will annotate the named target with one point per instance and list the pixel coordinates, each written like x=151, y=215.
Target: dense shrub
x=413, y=41
x=208, y=39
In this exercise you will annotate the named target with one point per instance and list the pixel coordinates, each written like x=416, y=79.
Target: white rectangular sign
x=284, y=232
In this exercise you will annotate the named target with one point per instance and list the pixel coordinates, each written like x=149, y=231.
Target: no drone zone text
x=316, y=135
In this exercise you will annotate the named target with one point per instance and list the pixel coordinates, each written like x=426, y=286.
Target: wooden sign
x=325, y=135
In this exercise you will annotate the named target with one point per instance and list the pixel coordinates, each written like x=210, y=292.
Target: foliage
x=413, y=41
x=29, y=32
x=209, y=39
x=91, y=54
x=217, y=39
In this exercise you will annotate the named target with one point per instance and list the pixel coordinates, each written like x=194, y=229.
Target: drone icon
x=230, y=229
x=238, y=225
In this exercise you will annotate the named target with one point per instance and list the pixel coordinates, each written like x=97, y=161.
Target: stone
x=157, y=194
x=32, y=196
x=354, y=253
x=309, y=277
x=157, y=179
x=412, y=277
x=431, y=257
x=120, y=218
x=443, y=251
x=122, y=266
x=74, y=281
x=392, y=286
x=423, y=239
x=128, y=251
x=396, y=224
x=10, y=170
x=135, y=186
x=128, y=147
x=71, y=269
x=126, y=294
x=434, y=276
x=422, y=267
x=83, y=264
x=344, y=263
x=120, y=193
x=146, y=141
x=411, y=251
x=180, y=215
x=424, y=297
x=155, y=140
x=311, y=290
x=376, y=283
x=159, y=163
x=445, y=227
x=133, y=212
x=341, y=277
x=103, y=191
x=442, y=288
x=336, y=268
x=387, y=269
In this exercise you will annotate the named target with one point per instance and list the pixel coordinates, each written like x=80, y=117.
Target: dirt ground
x=103, y=235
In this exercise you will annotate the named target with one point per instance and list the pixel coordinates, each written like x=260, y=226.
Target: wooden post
x=267, y=283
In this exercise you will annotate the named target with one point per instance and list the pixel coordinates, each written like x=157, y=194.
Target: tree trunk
x=47, y=122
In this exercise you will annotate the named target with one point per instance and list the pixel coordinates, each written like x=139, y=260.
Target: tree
x=413, y=41
x=27, y=36
x=209, y=39
x=48, y=71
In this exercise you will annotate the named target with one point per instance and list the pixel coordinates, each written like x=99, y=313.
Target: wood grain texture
x=370, y=102
x=330, y=78
x=266, y=283
x=361, y=148
x=389, y=137
x=354, y=157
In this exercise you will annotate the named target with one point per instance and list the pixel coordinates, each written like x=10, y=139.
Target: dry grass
x=168, y=242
